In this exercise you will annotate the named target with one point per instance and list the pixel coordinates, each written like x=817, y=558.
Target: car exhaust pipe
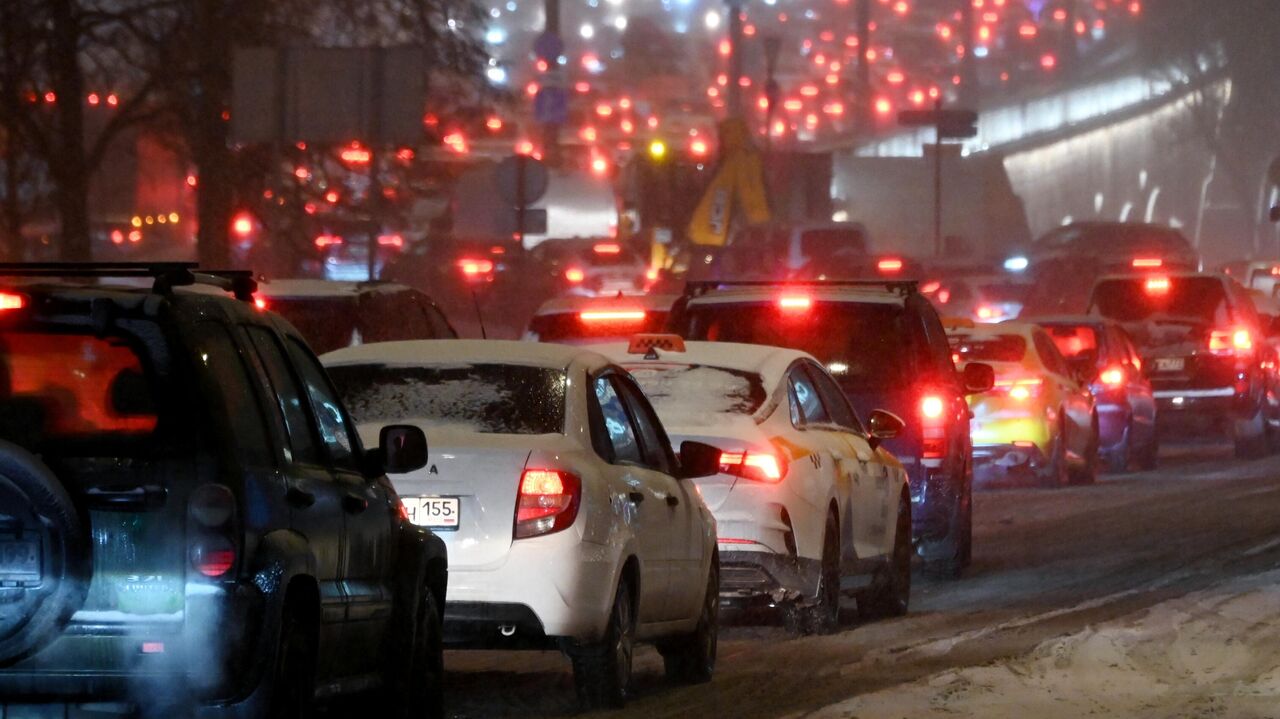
x=507, y=630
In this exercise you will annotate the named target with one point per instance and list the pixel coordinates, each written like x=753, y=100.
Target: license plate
x=1170, y=364
x=434, y=512
x=19, y=560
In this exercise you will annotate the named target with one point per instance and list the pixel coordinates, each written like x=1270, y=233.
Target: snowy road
x=1088, y=584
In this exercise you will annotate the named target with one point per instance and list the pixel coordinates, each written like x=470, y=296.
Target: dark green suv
x=187, y=518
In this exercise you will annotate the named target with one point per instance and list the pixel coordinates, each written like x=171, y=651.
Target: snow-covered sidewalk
x=1214, y=653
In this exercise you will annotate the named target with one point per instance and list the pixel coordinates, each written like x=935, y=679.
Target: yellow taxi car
x=1039, y=422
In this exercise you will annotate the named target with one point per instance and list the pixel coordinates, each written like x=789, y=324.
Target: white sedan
x=570, y=523
x=809, y=506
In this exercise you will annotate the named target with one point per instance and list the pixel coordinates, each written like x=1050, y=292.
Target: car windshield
x=1198, y=299
x=831, y=243
x=689, y=395
x=867, y=340
x=988, y=348
x=485, y=398
x=60, y=389
x=595, y=326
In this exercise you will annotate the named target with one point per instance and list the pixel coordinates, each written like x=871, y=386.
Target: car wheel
x=36, y=506
x=1088, y=473
x=890, y=594
x=958, y=545
x=602, y=671
x=293, y=685
x=822, y=614
x=415, y=678
x=1249, y=436
x=1057, y=473
x=1118, y=458
x=691, y=659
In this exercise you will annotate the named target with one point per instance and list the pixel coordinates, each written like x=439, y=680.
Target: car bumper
x=761, y=578
x=998, y=463
x=1113, y=426
x=566, y=584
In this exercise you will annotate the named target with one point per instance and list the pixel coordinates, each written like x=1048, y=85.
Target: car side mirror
x=884, y=425
x=978, y=378
x=402, y=448
x=698, y=460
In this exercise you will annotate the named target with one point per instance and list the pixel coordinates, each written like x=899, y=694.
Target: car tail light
x=396, y=241
x=324, y=241
x=933, y=425
x=547, y=502
x=473, y=268
x=612, y=316
x=795, y=303
x=1112, y=377
x=607, y=248
x=889, y=265
x=575, y=275
x=12, y=301
x=984, y=312
x=1225, y=342
x=651, y=274
x=1157, y=285
x=1147, y=263
x=259, y=303
x=760, y=466
x=213, y=556
x=212, y=505
x=930, y=287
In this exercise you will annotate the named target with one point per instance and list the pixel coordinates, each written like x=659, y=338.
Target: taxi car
x=1039, y=421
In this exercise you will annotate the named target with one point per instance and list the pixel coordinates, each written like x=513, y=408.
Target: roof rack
x=697, y=288
x=166, y=275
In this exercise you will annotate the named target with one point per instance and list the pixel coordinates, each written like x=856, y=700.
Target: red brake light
x=1157, y=285
x=889, y=265
x=259, y=303
x=795, y=303
x=1227, y=341
x=575, y=275
x=760, y=466
x=547, y=502
x=611, y=316
x=242, y=224
x=1022, y=389
x=984, y=312
x=213, y=556
x=395, y=240
x=323, y=241
x=1147, y=263
x=1112, y=377
x=12, y=301
x=932, y=407
x=471, y=268
x=607, y=248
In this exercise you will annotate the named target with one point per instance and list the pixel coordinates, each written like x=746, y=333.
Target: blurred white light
x=453, y=24
x=770, y=2
x=980, y=51
x=495, y=13
x=840, y=216
x=495, y=36
x=511, y=6
x=682, y=27
x=1016, y=264
x=620, y=22
x=587, y=31
x=496, y=75
x=711, y=20
x=810, y=15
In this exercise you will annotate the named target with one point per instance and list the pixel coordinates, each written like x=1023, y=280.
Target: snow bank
x=1211, y=653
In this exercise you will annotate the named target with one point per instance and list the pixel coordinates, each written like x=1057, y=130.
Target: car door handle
x=300, y=498
x=635, y=497
x=354, y=504
x=672, y=500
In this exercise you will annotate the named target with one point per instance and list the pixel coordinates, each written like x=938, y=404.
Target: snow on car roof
x=301, y=288
x=1022, y=329
x=578, y=303
x=770, y=363
x=463, y=352
x=842, y=293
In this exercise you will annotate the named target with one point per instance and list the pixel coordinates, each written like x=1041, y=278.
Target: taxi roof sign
x=958, y=323
x=643, y=344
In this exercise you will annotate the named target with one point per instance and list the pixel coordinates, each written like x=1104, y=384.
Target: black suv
x=187, y=518
x=885, y=345
x=1203, y=347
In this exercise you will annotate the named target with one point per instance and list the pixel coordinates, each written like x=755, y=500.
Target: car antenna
x=475, y=300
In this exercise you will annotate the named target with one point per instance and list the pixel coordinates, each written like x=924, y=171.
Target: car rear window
x=328, y=323
x=1074, y=341
x=598, y=327
x=1137, y=299
x=988, y=348
x=867, y=341
x=684, y=395
x=826, y=244
x=485, y=398
x=59, y=386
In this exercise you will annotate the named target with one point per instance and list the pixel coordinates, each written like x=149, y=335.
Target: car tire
x=1250, y=436
x=822, y=614
x=1088, y=473
x=1057, y=473
x=293, y=681
x=414, y=680
x=602, y=671
x=959, y=539
x=890, y=594
x=1119, y=457
x=691, y=659
x=1148, y=458
x=32, y=497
